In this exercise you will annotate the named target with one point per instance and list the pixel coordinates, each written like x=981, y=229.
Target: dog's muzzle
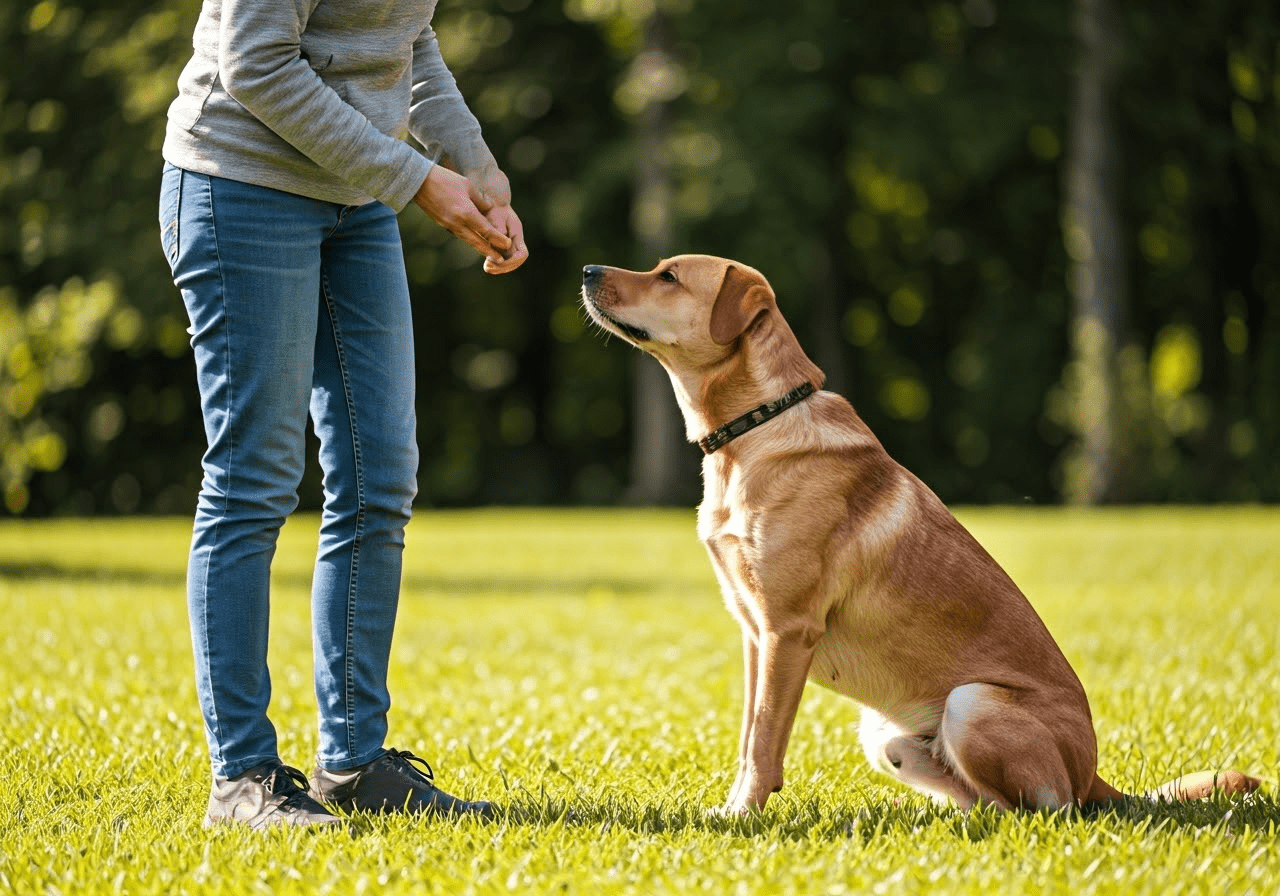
x=593, y=276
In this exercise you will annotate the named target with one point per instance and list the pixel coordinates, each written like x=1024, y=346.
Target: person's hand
x=495, y=190
x=457, y=205
x=505, y=219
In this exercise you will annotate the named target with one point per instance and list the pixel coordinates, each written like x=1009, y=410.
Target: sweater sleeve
x=261, y=66
x=439, y=116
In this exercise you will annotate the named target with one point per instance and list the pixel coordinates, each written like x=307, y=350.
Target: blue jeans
x=296, y=306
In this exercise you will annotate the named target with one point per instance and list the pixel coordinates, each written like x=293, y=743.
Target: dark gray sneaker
x=266, y=795
x=397, y=781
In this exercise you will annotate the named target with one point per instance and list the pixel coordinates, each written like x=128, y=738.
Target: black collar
x=750, y=420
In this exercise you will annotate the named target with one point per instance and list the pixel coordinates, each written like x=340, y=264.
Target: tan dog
x=843, y=567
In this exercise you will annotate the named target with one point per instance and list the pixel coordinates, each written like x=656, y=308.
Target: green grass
x=579, y=668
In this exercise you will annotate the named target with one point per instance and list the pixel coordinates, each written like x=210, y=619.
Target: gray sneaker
x=266, y=795
x=397, y=781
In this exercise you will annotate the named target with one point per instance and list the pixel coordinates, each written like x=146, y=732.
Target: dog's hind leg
x=912, y=759
x=1009, y=756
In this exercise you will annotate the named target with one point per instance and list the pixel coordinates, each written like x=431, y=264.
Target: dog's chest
x=726, y=534
x=717, y=517
x=727, y=529
x=848, y=659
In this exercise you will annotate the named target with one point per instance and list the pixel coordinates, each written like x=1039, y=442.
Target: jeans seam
x=226, y=349
x=348, y=668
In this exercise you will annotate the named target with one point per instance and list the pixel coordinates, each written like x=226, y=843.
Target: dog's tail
x=1195, y=786
x=1198, y=785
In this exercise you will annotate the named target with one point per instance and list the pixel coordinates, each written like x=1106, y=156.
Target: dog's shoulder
x=813, y=455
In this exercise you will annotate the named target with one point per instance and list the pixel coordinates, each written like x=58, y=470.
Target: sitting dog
x=843, y=567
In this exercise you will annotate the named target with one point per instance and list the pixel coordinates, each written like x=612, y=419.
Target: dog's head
x=689, y=310
x=713, y=323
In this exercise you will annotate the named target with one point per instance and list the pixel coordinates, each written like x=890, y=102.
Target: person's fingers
x=461, y=217
x=474, y=230
x=450, y=200
x=503, y=217
x=479, y=198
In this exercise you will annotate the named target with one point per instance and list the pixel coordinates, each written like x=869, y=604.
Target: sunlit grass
x=578, y=668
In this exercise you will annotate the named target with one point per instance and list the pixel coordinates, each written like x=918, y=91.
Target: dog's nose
x=591, y=274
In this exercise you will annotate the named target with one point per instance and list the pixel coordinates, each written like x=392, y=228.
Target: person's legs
x=296, y=303
x=247, y=261
x=362, y=405
x=363, y=409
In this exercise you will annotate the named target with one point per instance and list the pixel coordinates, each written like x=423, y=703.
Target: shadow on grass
x=526, y=586
x=89, y=574
x=448, y=586
x=876, y=818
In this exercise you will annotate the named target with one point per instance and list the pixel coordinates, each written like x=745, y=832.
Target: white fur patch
x=892, y=518
x=1046, y=797
x=962, y=704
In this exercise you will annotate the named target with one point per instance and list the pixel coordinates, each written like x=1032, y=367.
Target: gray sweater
x=315, y=97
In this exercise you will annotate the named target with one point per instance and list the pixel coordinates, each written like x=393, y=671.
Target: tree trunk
x=664, y=467
x=1095, y=245
x=826, y=336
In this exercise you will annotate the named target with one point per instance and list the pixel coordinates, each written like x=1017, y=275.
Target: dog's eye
x=668, y=275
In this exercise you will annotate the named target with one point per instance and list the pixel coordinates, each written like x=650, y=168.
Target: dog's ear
x=743, y=297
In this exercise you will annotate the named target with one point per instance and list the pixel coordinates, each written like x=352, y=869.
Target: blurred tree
x=1199, y=115
x=1095, y=242
x=663, y=471
x=882, y=166
x=93, y=336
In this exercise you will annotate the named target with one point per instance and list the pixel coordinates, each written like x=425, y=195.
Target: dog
x=845, y=569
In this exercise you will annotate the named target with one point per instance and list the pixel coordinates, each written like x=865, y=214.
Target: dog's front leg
x=782, y=665
x=750, y=663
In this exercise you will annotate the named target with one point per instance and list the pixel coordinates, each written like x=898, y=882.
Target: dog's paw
x=729, y=810
x=735, y=809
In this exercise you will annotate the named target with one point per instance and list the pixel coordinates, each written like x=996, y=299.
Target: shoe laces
x=285, y=779
x=414, y=765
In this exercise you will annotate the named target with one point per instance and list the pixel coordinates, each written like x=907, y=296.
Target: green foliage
x=46, y=347
x=895, y=170
x=579, y=668
x=1206, y=162
x=93, y=341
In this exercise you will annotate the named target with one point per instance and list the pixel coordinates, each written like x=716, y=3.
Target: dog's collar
x=750, y=420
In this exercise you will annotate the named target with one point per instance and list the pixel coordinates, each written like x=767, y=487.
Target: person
x=285, y=165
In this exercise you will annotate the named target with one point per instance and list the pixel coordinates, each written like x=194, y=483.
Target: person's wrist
x=491, y=183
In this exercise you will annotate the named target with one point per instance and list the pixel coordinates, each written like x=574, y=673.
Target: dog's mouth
x=621, y=327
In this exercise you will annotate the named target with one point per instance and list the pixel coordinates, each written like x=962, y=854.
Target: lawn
x=578, y=668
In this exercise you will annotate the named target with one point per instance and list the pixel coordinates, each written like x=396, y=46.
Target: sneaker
x=397, y=781
x=266, y=795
